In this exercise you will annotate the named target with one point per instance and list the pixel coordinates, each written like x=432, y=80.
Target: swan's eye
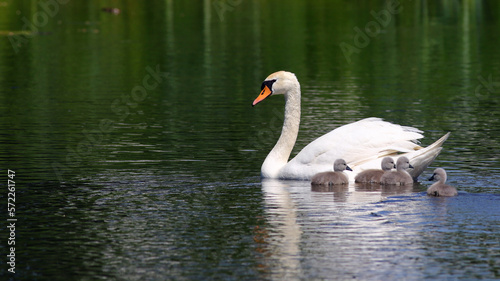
x=268, y=83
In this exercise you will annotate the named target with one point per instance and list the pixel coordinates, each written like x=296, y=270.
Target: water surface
x=118, y=183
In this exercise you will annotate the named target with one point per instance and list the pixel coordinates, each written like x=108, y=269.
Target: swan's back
x=440, y=188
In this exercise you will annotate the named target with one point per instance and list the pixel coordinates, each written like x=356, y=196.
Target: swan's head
x=439, y=174
x=403, y=163
x=340, y=165
x=278, y=83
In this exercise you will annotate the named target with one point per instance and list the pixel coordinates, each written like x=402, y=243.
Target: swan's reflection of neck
x=286, y=233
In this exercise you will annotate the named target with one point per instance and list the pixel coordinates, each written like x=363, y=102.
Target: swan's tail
x=422, y=158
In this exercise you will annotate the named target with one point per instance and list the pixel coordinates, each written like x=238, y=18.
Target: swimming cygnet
x=333, y=178
x=440, y=188
x=374, y=175
x=400, y=176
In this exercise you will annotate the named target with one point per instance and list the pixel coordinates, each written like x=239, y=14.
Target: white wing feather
x=362, y=144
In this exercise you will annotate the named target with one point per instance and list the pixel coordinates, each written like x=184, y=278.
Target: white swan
x=362, y=144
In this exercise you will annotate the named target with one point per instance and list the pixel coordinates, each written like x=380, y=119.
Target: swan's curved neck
x=278, y=157
x=442, y=178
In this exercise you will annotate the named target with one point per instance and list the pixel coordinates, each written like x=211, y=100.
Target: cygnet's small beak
x=432, y=177
x=394, y=166
x=348, y=168
x=411, y=167
x=266, y=92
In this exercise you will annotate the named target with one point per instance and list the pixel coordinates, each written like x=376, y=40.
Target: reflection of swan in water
x=392, y=189
x=367, y=187
x=340, y=192
x=329, y=188
x=362, y=144
x=282, y=218
x=385, y=190
x=292, y=213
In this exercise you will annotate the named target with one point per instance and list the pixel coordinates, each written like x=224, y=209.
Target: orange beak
x=263, y=94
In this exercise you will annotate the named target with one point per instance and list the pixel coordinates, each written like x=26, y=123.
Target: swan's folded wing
x=358, y=143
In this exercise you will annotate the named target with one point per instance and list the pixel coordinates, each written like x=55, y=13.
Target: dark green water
x=137, y=153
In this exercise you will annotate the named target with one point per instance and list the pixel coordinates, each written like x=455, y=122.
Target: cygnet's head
x=403, y=163
x=439, y=175
x=388, y=164
x=340, y=165
x=277, y=83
